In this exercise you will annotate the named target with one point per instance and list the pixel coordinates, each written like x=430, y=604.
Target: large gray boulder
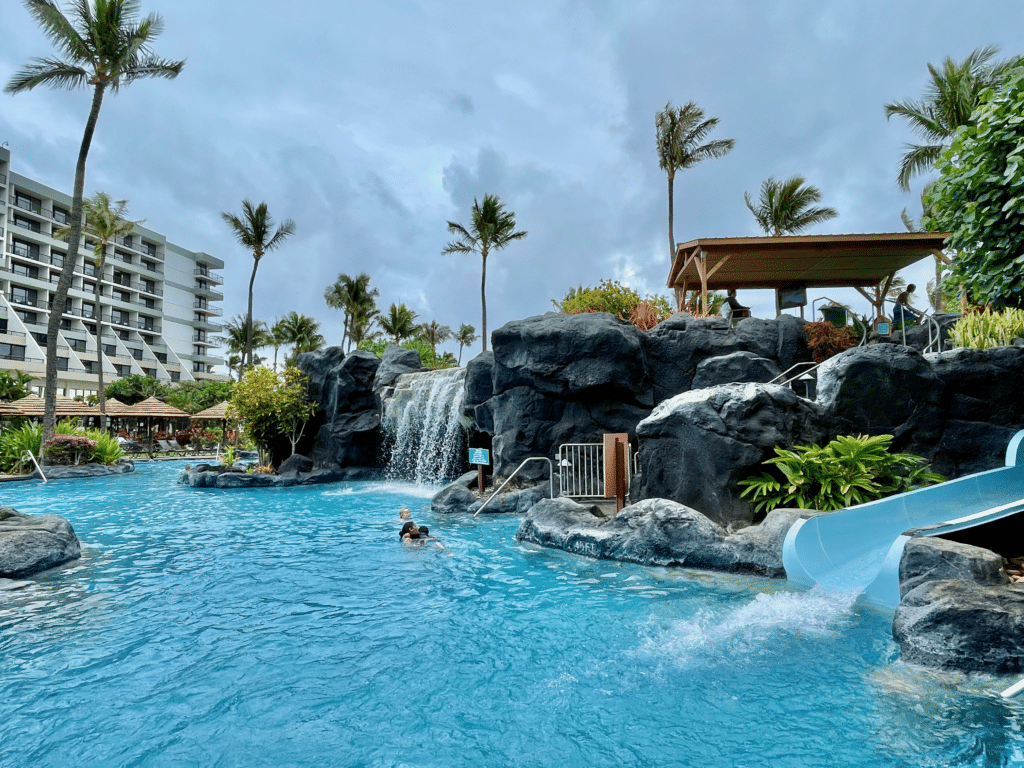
x=962, y=626
x=937, y=559
x=657, y=532
x=30, y=544
x=882, y=389
x=347, y=427
x=734, y=368
x=479, y=390
x=695, y=447
x=396, y=361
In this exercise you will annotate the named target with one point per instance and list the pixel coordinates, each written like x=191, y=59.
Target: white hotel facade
x=160, y=302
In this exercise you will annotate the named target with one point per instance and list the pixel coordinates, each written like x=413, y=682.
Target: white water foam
x=750, y=629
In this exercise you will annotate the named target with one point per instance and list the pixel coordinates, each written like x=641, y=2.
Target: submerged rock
x=33, y=543
x=659, y=532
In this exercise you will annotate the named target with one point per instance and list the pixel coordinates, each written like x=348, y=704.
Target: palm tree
x=362, y=327
x=951, y=96
x=278, y=338
x=252, y=230
x=399, y=323
x=103, y=46
x=237, y=339
x=302, y=332
x=465, y=336
x=784, y=207
x=105, y=220
x=492, y=229
x=354, y=297
x=433, y=334
x=680, y=131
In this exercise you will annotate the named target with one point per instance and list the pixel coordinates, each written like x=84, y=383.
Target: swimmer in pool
x=404, y=514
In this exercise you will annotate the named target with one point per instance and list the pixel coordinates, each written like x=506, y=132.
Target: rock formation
x=33, y=543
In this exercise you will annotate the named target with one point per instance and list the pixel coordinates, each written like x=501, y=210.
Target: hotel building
x=159, y=302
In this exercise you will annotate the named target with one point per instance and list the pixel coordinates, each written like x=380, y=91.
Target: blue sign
x=480, y=456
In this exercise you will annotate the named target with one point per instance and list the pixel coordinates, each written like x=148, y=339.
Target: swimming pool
x=289, y=627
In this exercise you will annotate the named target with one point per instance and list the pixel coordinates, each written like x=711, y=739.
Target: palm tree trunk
x=671, y=236
x=99, y=345
x=61, y=294
x=483, y=298
x=247, y=356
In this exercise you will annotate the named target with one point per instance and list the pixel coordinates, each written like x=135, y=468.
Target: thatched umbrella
x=217, y=412
x=151, y=408
x=32, y=406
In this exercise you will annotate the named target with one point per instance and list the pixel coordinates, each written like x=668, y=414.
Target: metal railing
x=551, y=480
x=38, y=468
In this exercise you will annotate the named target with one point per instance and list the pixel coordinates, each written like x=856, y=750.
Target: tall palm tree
x=680, y=131
x=103, y=45
x=362, y=326
x=951, y=96
x=785, y=207
x=492, y=229
x=433, y=333
x=236, y=339
x=302, y=332
x=253, y=230
x=105, y=220
x=399, y=323
x=354, y=297
x=278, y=338
x=465, y=336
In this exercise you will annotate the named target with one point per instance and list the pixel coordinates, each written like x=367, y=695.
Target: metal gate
x=581, y=470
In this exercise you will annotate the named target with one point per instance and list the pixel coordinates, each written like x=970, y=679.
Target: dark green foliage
x=14, y=385
x=609, y=296
x=196, y=396
x=428, y=357
x=134, y=388
x=979, y=197
x=849, y=470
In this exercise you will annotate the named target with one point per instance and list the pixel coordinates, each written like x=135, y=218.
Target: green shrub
x=849, y=470
x=986, y=329
x=428, y=357
x=14, y=442
x=104, y=448
x=610, y=296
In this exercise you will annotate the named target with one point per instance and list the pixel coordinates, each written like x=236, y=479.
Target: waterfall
x=421, y=426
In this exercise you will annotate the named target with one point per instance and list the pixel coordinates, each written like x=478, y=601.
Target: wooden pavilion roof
x=32, y=405
x=813, y=261
x=153, y=407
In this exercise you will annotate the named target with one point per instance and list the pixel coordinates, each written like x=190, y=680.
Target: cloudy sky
x=372, y=124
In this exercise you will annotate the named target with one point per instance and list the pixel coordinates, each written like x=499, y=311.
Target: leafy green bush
x=134, y=388
x=14, y=442
x=428, y=357
x=610, y=296
x=849, y=470
x=104, y=448
x=986, y=329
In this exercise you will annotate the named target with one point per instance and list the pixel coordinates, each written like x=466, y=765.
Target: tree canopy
x=272, y=404
x=979, y=197
x=785, y=207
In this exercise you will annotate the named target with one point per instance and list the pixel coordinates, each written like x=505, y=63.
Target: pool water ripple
x=285, y=627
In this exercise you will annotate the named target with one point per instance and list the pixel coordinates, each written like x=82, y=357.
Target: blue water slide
x=858, y=549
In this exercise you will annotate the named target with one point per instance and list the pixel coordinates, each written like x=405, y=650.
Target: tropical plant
x=986, y=329
x=785, y=207
x=103, y=46
x=277, y=338
x=428, y=357
x=302, y=332
x=253, y=231
x=492, y=229
x=399, y=323
x=15, y=442
x=692, y=304
x=196, y=396
x=272, y=404
x=848, y=470
x=237, y=337
x=680, y=132
x=979, y=197
x=105, y=220
x=434, y=333
x=937, y=286
x=609, y=296
x=951, y=96
x=227, y=456
x=465, y=336
x=354, y=297
x=826, y=340
x=134, y=388
x=14, y=385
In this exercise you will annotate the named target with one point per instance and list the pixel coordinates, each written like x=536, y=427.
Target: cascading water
x=421, y=424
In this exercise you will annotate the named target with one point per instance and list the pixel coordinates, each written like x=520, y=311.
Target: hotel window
x=175, y=375
x=25, y=202
x=25, y=250
x=40, y=338
x=12, y=351
x=119, y=317
x=110, y=349
x=88, y=309
x=3, y=325
x=21, y=295
x=123, y=296
x=122, y=334
x=60, y=215
x=29, y=318
x=25, y=271
x=25, y=222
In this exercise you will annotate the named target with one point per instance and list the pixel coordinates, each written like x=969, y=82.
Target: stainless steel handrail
x=38, y=468
x=551, y=480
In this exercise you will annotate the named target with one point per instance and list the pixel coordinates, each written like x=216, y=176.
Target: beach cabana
x=217, y=412
x=151, y=408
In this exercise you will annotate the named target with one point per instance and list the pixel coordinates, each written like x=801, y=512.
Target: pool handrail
x=551, y=480
x=39, y=469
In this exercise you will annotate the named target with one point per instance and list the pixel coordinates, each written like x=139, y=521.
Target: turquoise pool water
x=291, y=628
